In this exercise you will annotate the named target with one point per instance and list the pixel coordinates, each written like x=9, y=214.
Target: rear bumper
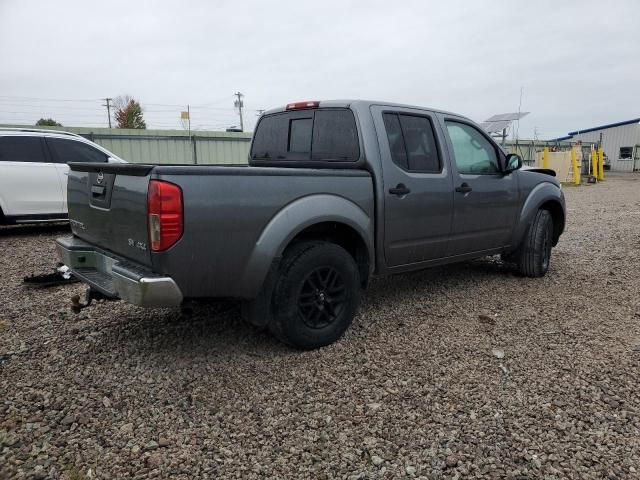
x=116, y=277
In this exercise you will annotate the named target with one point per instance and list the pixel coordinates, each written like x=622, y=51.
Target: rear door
x=485, y=200
x=29, y=183
x=65, y=150
x=418, y=203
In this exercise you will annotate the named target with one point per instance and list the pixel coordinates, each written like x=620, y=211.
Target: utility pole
x=239, y=104
x=108, y=105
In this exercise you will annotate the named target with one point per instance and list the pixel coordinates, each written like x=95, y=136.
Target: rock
x=154, y=460
x=377, y=460
x=410, y=470
x=127, y=428
x=152, y=445
x=497, y=353
x=135, y=449
x=39, y=472
x=68, y=420
x=451, y=461
x=163, y=442
x=106, y=402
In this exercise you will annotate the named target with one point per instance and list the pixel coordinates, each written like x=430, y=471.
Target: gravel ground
x=459, y=372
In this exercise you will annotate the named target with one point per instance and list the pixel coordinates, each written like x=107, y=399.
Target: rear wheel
x=316, y=295
x=535, y=252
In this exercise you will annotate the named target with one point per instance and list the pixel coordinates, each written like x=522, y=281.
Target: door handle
x=464, y=188
x=401, y=189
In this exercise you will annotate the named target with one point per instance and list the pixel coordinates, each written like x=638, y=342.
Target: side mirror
x=513, y=163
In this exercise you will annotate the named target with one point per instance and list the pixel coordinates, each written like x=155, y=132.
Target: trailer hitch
x=89, y=296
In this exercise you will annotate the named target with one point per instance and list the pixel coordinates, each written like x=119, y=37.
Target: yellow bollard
x=600, y=164
x=574, y=164
x=545, y=157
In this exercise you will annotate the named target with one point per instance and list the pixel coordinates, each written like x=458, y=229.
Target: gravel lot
x=459, y=372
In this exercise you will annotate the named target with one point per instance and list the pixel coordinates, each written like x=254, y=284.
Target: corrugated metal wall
x=614, y=138
x=168, y=146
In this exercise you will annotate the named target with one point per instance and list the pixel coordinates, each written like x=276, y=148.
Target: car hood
x=546, y=171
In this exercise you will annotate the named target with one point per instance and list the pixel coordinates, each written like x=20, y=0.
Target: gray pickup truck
x=335, y=192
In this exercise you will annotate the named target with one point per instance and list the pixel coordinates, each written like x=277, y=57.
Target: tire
x=316, y=296
x=535, y=252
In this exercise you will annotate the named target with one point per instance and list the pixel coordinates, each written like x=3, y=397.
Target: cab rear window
x=326, y=135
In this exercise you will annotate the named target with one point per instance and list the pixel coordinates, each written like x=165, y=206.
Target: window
x=412, y=142
x=335, y=136
x=473, y=153
x=67, y=151
x=21, y=149
x=625, y=153
x=323, y=135
x=300, y=135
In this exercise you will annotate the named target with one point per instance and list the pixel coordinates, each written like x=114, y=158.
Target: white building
x=620, y=142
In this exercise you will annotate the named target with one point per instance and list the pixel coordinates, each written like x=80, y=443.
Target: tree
x=128, y=113
x=47, y=122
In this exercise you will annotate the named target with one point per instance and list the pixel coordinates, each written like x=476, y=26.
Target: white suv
x=33, y=172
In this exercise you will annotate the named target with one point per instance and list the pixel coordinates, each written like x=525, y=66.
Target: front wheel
x=316, y=296
x=535, y=252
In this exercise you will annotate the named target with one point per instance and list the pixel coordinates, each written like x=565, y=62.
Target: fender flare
x=292, y=219
x=541, y=194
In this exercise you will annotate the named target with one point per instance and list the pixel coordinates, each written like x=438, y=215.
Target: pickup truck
x=334, y=192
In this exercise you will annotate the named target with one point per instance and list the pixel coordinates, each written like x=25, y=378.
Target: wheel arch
x=549, y=197
x=318, y=217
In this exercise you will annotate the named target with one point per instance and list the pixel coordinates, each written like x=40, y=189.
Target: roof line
x=603, y=127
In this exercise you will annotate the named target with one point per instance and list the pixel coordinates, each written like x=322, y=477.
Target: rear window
x=303, y=135
x=22, y=149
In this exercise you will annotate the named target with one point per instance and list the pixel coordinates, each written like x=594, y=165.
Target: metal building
x=620, y=142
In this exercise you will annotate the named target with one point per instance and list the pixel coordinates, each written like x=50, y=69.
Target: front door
x=485, y=200
x=417, y=186
x=29, y=182
x=636, y=159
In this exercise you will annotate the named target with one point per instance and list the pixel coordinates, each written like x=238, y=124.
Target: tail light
x=299, y=105
x=165, y=214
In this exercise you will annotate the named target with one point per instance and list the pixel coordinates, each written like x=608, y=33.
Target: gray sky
x=577, y=61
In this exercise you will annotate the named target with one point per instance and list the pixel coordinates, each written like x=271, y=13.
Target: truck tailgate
x=108, y=207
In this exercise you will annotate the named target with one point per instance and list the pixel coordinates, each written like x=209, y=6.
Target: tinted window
x=335, y=136
x=67, y=151
x=300, y=136
x=471, y=149
x=396, y=142
x=412, y=142
x=326, y=135
x=21, y=149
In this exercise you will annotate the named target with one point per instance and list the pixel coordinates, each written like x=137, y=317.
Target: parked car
x=335, y=193
x=33, y=172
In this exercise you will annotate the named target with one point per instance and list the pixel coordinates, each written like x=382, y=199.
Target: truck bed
x=224, y=250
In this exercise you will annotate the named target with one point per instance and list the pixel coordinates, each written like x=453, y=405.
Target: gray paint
x=238, y=220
